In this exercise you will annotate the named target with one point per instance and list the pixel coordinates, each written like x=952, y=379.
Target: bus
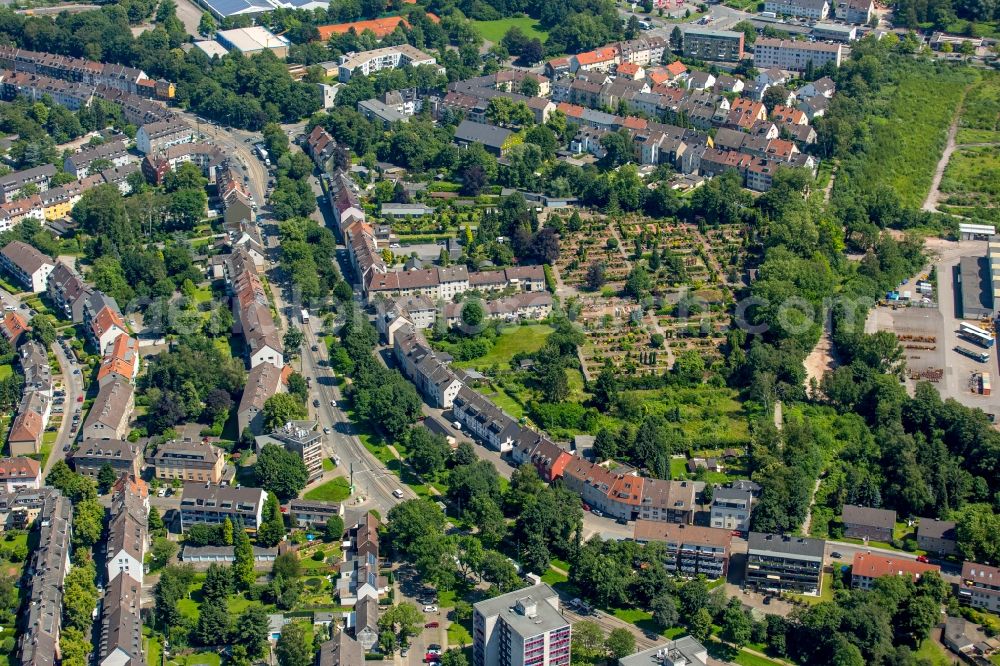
x=982, y=357
x=305, y=316
x=975, y=334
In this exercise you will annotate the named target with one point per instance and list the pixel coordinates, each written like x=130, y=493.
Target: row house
x=690, y=550
x=103, y=320
x=25, y=436
x=210, y=159
x=111, y=412
x=979, y=586
x=525, y=306
x=744, y=113
x=162, y=134
x=36, y=87
x=38, y=643
x=20, y=473
x=235, y=199
x=252, y=310
x=862, y=522
x=547, y=457
x=12, y=184
x=670, y=501
x=128, y=534
x=67, y=290
x=461, y=105
x=616, y=493
x=425, y=369
x=320, y=146
x=642, y=51
x=13, y=213
x=120, y=77
x=937, y=536
x=121, y=359
x=263, y=381
x=603, y=59
x=484, y=420
x=589, y=140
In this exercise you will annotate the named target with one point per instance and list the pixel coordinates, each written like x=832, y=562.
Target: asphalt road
x=74, y=388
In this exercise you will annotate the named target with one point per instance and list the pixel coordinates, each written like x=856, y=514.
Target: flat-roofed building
x=784, y=563
x=731, y=509
x=313, y=513
x=706, y=44
x=835, y=32
x=301, y=438
x=212, y=504
x=869, y=567
x=253, y=39
x=390, y=57
x=521, y=628
x=189, y=460
x=690, y=549
x=684, y=651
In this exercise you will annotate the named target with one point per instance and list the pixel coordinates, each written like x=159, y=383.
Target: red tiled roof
x=876, y=566
x=382, y=27
x=676, y=68
x=597, y=55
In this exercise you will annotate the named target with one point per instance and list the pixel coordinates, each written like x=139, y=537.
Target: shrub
x=318, y=555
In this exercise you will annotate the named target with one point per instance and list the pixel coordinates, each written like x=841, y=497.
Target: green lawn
x=553, y=577
x=512, y=340
x=6, y=371
x=932, y=653
x=328, y=465
x=458, y=634
x=494, y=31
x=335, y=490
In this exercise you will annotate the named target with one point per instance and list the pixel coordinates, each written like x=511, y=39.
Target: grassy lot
x=459, y=634
x=328, y=465
x=932, y=653
x=6, y=371
x=335, y=490
x=967, y=135
x=494, y=31
x=512, y=340
x=972, y=178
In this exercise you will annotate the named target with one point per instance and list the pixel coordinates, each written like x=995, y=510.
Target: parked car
x=316, y=402
x=836, y=554
x=432, y=625
x=315, y=348
x=430, y=609
x=326, y=430
x=922, y=558
x=597, y=513
x=434, y=649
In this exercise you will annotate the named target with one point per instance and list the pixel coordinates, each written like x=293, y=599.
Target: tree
x=251, y=631
x=412, y=519
x=293, y=340
x=294, y=647
x=473, y=313
x=736, y=623
x=334, y=529
x=162, y=551
x=227, y=532
x=664, y=609
x=401, y=619
x=172, y=587
x=428, y=452
x=280, y=471
x=88, y=523
x=43, y=330
x=154, y=521
x=529, y=86
x=80, y=596
x=588, y=639
x=106, y=478
x=596, y=275
x=218, y=582
x=638, y=282
x=620, y=643
x=454, y=657
x=207, y=25
x=213, y=622
x=775, y=96
x=700, y=624
x=243, y=571
x=282, y=408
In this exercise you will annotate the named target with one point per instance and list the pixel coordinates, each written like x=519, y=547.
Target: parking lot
x=929, y=335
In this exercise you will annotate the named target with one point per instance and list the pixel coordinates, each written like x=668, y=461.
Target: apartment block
x=784, y=563
x=980, y=586
x=92, y=455
x=706, y=44
x=795, y=56
x=937, y=536
x=27, y=265
x=869, y=567
x=212, y=504
x=301, y=438
x=862, y=522
x=690, y=549
x=390, y=57
x=313, y=513
x=189, y=460
x=521, y=628
x=813, y=9
x=731, y=509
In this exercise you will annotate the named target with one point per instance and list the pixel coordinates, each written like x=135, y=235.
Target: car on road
x=767, y=601
x=66, y=448
x=315, y=348
x=326, y=430
x=836, y=554
x=404, y=652
x=597, y=513
x=434, y=649
x=397, y=493
x=432, y=625
x=622, y=521
x=333, y=403
x=316, y=402
x=77, y=371
x=431, y=609
x=922, y=558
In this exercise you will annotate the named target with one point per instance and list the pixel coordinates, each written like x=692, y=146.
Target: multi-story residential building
x=208, y=158
x=123, y=456
x=669, y=501
x=812, y=9
x=784, y=563
x=424, y=368
x=707, y=44
x=25, y=436
x=313, y=513
x=121, y=359
x=855, y=11
x=603, y=60
x=484, y=420
x=27, y=265
x=363, y=621
x=121, y=640
x=521, y=628
x=12, y=327
x=115, y=152
x=111, y=412
x=642, y=51
x=376, y=60
x=253, y=310
x=862, y=522
x=937, y=536
x=35, y=366
x=731, y=509
x=301, y=438
x=795, y=56
x=263, y=381
x=447, y=282
x=68, y=291
x=20, y=509
x=192, y=461
x=128, y=533
x=209, y=503
x=684, y=651
x=12, y=184
x=869, y=567
x=980, y=586
x=690, y=549
x=38, y=643
x=162, y=134
x=36, y=87
x=19, y=473
x=103, y=320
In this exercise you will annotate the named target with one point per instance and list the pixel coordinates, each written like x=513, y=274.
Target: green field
x=335, y=490
x=932, y=653
x=494, y=31
x=972, y=181
x=6, y=371
x=512, y=340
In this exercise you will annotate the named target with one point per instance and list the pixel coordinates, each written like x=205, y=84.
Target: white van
x=397, y=493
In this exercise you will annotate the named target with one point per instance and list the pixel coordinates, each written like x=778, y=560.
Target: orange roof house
x=13, y=326
x=676, y=68
x=870, y=566
x=122, y=359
